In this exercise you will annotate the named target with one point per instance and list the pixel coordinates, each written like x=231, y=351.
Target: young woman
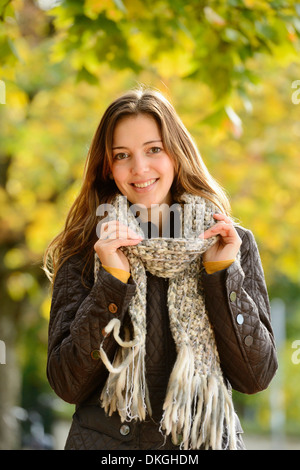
x=148, y=334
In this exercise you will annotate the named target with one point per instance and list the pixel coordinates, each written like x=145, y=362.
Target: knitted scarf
x=197, y=406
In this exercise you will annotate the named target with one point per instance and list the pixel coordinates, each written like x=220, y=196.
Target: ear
x=111, y=176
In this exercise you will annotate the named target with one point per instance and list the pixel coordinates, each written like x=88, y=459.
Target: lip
x=146, y=188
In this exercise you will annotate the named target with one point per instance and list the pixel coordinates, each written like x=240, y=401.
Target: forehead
x=135, y=128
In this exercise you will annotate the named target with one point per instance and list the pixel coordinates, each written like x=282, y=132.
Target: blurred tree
x=210, y=41
x=63, y=61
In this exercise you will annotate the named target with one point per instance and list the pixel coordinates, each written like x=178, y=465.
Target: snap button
x=112, y=308
x=124, y=429
x=95, y=354
x=248, y=340
x=240, y=319
x=232, y=296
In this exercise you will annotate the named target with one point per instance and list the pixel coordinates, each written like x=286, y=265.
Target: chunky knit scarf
x=197, y=406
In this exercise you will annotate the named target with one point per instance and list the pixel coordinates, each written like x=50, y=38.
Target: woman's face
x=141, y=168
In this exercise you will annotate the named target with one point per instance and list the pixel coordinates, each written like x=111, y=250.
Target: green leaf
x=266, y=31
x=215, y=119
x=297, y=8
x=84, y=75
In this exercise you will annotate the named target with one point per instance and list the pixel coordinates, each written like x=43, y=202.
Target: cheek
x=118, y=173
x=168, y=168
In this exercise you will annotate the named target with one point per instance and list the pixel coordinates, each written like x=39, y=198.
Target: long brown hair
x=192, y=176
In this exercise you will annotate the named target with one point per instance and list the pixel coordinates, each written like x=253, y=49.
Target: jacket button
x=248, y=340
x=232, y=296
x=240, y=319
x=124, y=429
x=112, y=308
x=95, y=354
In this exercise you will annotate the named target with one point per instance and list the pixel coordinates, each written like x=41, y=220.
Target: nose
x=140, y=164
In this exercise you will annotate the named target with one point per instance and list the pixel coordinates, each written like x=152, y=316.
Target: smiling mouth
x=145, y=184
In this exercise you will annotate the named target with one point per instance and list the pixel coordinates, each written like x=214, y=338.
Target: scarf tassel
x=198, y=410
x=125, y=390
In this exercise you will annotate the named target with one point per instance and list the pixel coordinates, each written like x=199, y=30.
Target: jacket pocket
x=93, y=417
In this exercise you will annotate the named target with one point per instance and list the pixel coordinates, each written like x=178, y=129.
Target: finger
x=129, y=241
x=217, y=229
x=107, y=227
x=223, y=217
x=222, y=228
x=227, y=232
x=107, y=248
x=112, y=245
x=207, y=234
x=124, y=229
x=113, y=229
x=123, y=233
x=120, y=234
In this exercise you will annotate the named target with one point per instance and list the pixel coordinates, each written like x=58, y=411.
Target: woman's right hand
x=113, y=235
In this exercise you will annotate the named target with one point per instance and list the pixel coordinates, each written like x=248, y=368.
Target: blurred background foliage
x=230, y=67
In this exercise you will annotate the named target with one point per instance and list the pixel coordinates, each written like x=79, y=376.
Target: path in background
x=253, y=442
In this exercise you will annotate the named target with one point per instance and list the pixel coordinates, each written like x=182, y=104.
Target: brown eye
x=155, y=149
x=120, y=156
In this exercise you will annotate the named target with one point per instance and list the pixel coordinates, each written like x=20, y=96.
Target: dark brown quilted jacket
x=238, y=307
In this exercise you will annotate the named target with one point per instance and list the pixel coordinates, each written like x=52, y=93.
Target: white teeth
x=144, y=185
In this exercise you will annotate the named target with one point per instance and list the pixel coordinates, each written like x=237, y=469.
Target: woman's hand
x=113, y=235
x=228, y=244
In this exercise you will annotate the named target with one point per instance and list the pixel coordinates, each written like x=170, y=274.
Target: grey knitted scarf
x=197, y=406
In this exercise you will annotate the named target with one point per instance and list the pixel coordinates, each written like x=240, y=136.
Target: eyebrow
x=145, y=143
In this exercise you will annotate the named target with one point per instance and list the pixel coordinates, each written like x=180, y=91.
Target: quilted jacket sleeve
x=77, y=318
x=238, y=306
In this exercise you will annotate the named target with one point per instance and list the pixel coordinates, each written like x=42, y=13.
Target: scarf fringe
x=198, y=410
x=125, y=390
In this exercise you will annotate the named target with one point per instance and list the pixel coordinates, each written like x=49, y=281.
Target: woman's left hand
x=228, y=244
